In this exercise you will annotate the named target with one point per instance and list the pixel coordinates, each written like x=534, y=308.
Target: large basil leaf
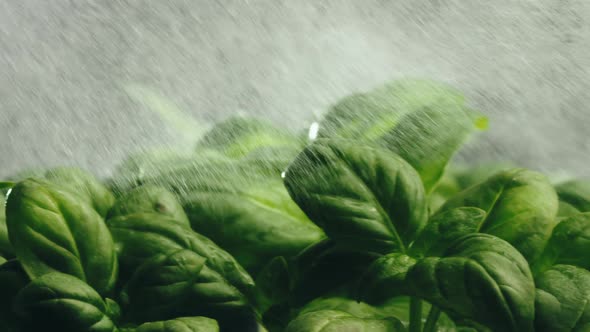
x=238, y=136
x=563, y=299
x=181, y=324
x=520, y=206
x=80, y=182
x=569, y=244
x=83, y=184
x=49, y=228
x=424, y=122
x=181, y=284
x=370, y=115
x=141, y=236
x=254, y=223
x=480, y=277
x=338, y=321
x=60, y=302
x=428, y=138
x=366, y=198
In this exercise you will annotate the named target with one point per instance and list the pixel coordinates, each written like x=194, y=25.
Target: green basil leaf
x=480, y=277
x=59, y=302
x=254, y=223
x=149, y=198
x=566, y=210
x=84, y=185
x=338, y=321
x=6, y=249
x=49, y=228
x=385, y=278
x=181, y=284
x=141, y=236
x=369, y=115
x=238, y=136
x=156, y=167
x=446, y=188
x=242, y=206
x=520, y=206
x=272, y=284
x=429, y=137
x=575, y=193
x=467, y=176
x=563, y=299
x=181, y=324
x=274, y=157
x=398, y=307
x=569, y=244
x=363, y=197
x=6, y=184
x=444, y=228
x=12, y=279
x=422, y=121
x=350, y=306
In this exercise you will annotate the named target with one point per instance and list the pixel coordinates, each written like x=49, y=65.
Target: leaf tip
x=481, y=122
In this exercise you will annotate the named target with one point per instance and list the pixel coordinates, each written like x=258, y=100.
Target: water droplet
x=313, y=131
x=6, y=197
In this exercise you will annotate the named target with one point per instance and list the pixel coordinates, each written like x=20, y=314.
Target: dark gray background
x=64, y=66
